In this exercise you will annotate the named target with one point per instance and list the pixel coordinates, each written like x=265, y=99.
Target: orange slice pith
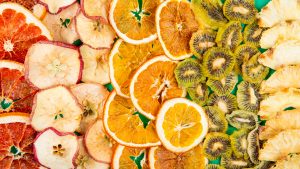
x=125, y=58
x=152, y=84
x=17, y=136
x=16, y=93
x=134, y=22
x=125, y=125
x=175, y=24
x=19, y=29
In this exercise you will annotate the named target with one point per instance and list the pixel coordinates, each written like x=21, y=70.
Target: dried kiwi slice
x=264, y=165
x=223, y=86
x=226, y=103
x=216, y=120
x=201, y=41
x=252, y=34
x=239, y=143
x=240, y=10
x=243, y=53
x=248, y=97
x=218, y=62
x=253, y=71
x=214, y=166
x=242, y=119
x=215, y=145
x=230, y=35
x=230, y=161
x=188, y=72
x=253, y=146
x=199, y=93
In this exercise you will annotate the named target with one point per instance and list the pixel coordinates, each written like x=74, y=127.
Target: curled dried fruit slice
x=96, y=9
x=56, y=6
x=291, y=161
x=53, y=63
x=39, y=11
x=56, y=150
x=56, y=107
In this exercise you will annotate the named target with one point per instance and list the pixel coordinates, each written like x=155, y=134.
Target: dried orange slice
x=16, y=93
x=175, y=24
x=17, y=136
x=161, y=158
x=181, y=124
x=127, y=126
x=152, y=84
x=19, y=29
x=125, y=58
x=134, y=20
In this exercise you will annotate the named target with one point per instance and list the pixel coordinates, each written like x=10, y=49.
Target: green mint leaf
x=4, y=104
x=143, y=118
x=65, y=22
x=77, y=42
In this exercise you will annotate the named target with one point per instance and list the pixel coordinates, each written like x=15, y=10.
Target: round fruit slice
x=25, y=3
x=95, y=9
x=39, y=11
x=91, y=97
x=94, y=33
x=84, y=161
x=16, y=93
x=161, y=158
x=152, y=84
x=16, y=140
x=181, y=124
x=130, y=158
x=95, y=65
x=125, y=58
x=19, y=29
x=53, y=63
x=56, y=107
x=134, y=21
x=175, y=25
x=127, y=126
x=56, y=6
x=62, y=25
x=98, y=145
x=56, y=150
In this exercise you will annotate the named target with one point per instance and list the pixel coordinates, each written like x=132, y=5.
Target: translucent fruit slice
x=56, y=6
x=134, y=20
x=27, y=4
x=56, y=107
x=16, y=93
x=181, y=124
x=125, y=58
x=96, y=9
x=95, y=65
x=39, y=11
x=152, y=84
x=56, y=150
x=126, y=125
x=175, y=25
x=16, y=140
x=53, y=63
x=94, y=32
x=19, y=29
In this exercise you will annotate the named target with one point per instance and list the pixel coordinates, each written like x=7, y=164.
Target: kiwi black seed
x=215, y=145
x=239, y=143
x=214, y=166
x=225, y=85
x=199, y=93
x=218, y=62
x=264, y=165
x=240, y=10
x=230, y=35
x=243, y=53
x=253, y=71
x=230, y=161
x=248, y=97
x=242, y=119
x=253, y=146
x=216, y=120
x=226, y=103
x=252, y=34
x=201, y=41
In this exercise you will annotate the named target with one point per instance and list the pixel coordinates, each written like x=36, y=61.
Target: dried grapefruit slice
x=19, y=29
x=16, y=140
x=181, y=124
x=53, y=63
x=56, y=6
x=127, y=126
x=175, y=24
x=152, y=84
x=125, y=58
x=96, y=9
x=27, y=4
x=16, y=93
x=134, y=20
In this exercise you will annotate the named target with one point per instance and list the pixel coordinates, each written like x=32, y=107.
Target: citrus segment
x=152, y=84
x=55, y=6
x=134, y=20
x=181, y=124
x=125, y=58
x=127, y=126
x=175, y=24
x=19, y=29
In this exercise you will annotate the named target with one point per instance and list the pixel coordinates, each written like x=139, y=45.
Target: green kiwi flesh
x=214, y=166
x=253, y=146
x=199, y=93
x=230, y=161
x=230, y=35
x=216, y=119
x=201, y=41
x=253, y=71
x=243, y=53
x=242, y=119
x=216, y=144
x=239, y=143
x=252, y=34
x=226, y=103
x=264, y=165
x=225, y=85
x=248, y=97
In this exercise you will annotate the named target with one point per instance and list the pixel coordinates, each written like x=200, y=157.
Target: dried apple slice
x=53, y=63
x=55, y=6
x=56, y=107
x=39, y=11
x=56, y=150
x=96, y=9
x=62, y=25
x=91, y=97
x=94, y=32
x=95, y=68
